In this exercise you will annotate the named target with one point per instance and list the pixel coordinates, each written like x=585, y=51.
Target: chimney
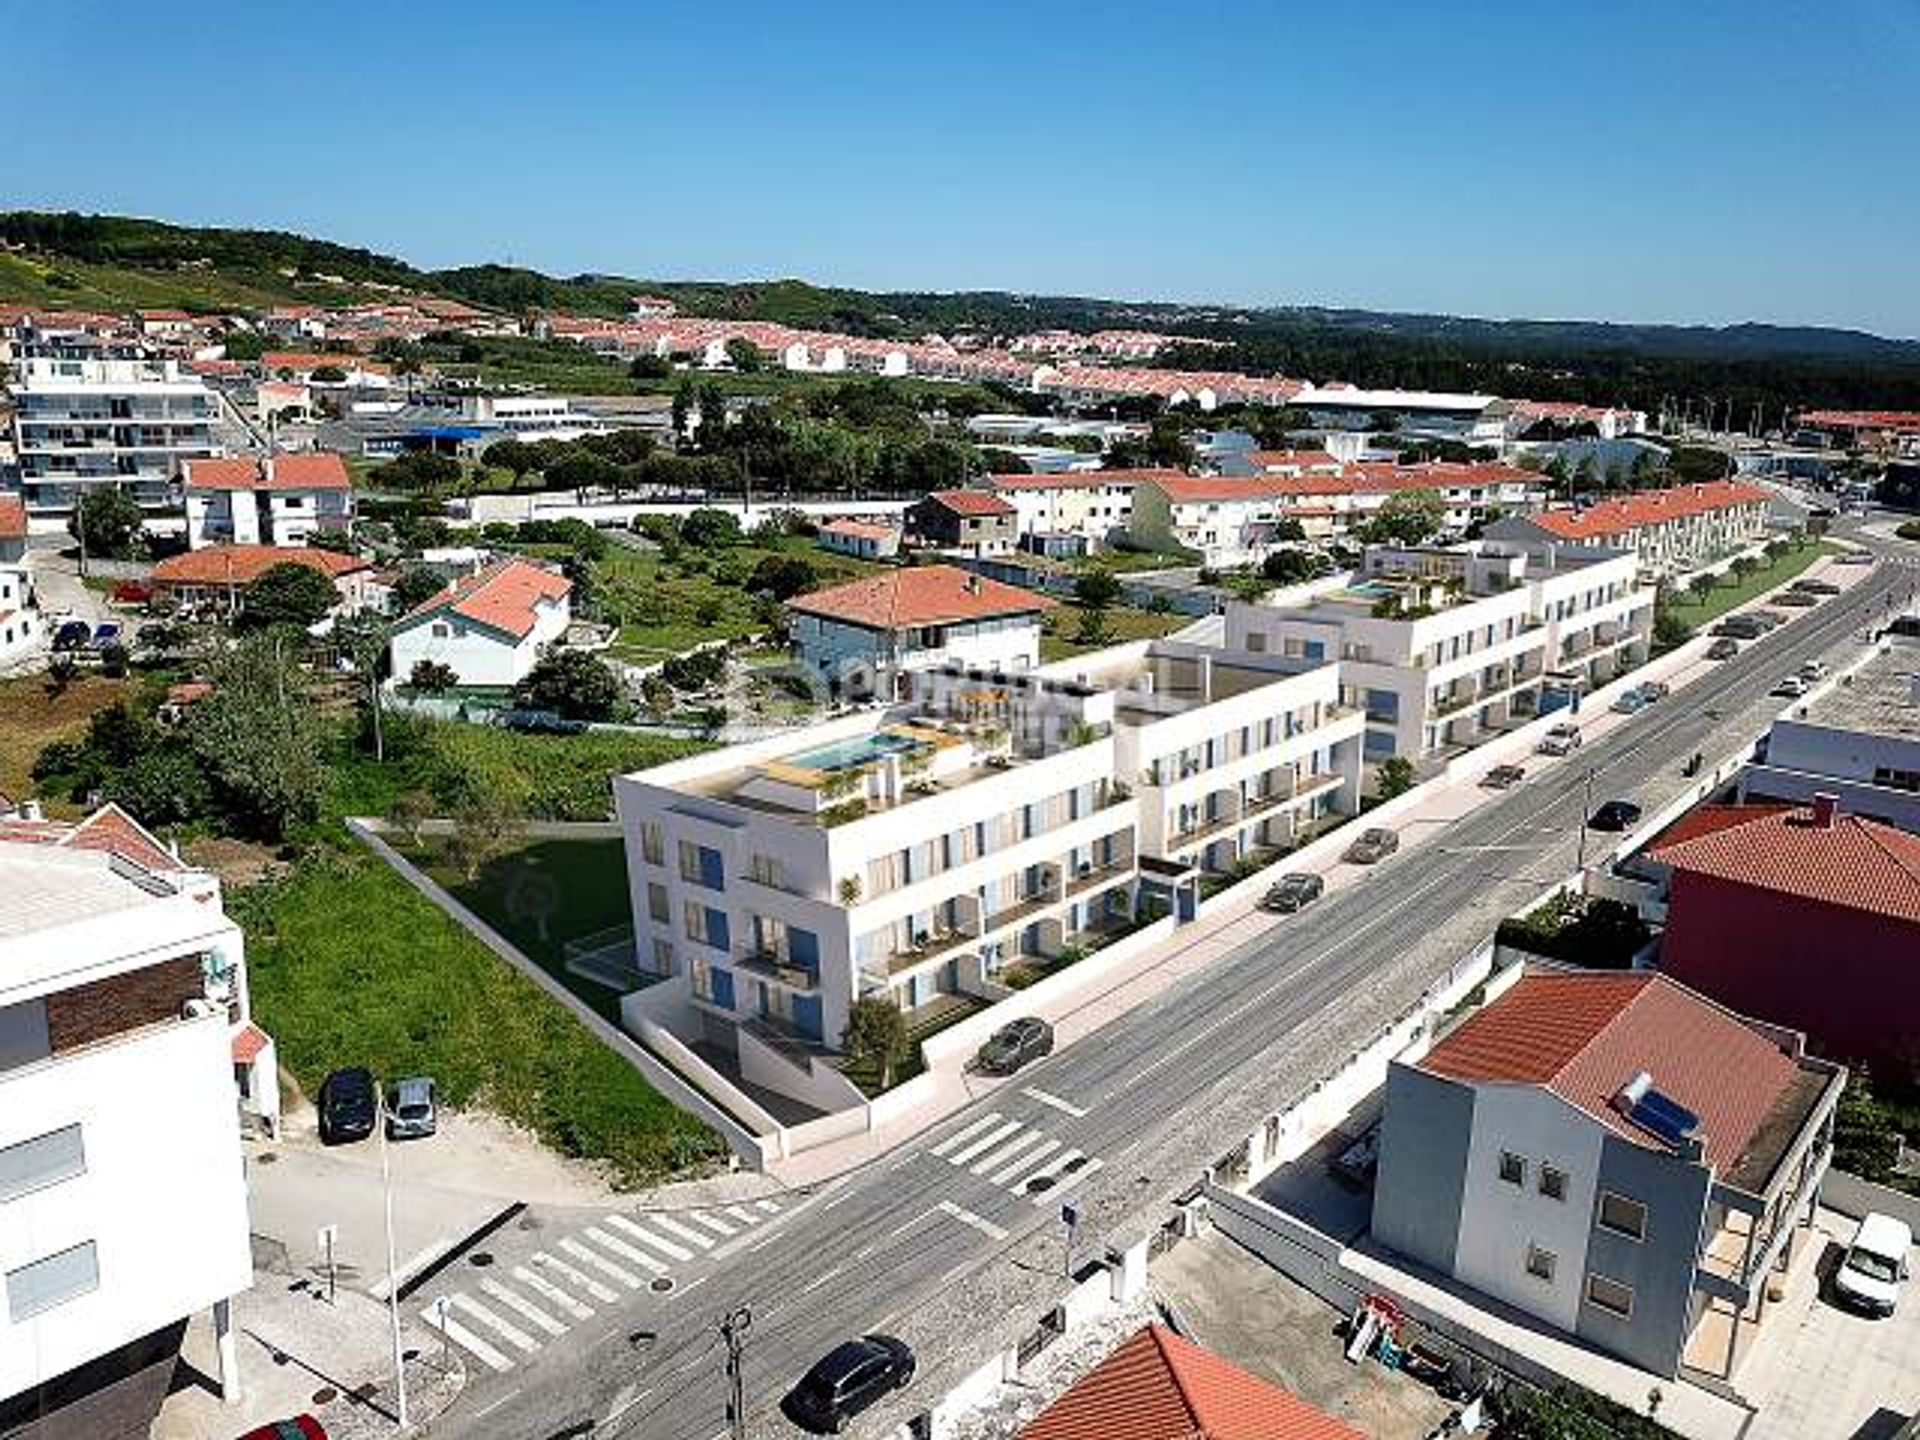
x=30, y=810
x=1825, y=806
x=971, y=584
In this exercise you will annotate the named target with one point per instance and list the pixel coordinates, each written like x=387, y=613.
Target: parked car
x=1870, y=1275
x=1797, y=600
x=72, y=635
x=1629, y=702
x=300, y=1427
x=106, y=633
x=349, y=1106
x=1791, y=688
x=1615, y=815
x=1725, y=648
x=1374, y=845
x=1769, y=619
x=1503, y=777
x=1813, y=670
x=1817, y=587
x=1293, y=892
x=1560, y=740
x=1013, y=1045
x=411, y=1114
x=1654, y=691
x=541, y=722
x=849, y=1379
x=1741, y=627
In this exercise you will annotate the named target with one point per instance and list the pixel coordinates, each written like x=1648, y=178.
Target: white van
x=1869, y=1277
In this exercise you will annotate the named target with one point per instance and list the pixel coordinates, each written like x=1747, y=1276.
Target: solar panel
x=1665, y=1117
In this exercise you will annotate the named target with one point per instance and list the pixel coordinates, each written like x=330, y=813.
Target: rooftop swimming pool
x=861, y=750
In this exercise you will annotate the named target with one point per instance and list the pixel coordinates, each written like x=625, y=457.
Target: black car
x=1615, y=815
x=73, y=635
x=851, y=1377
x=1013, y=1045
x=1293, y=892
x=349, y=1106
x=1725, y=648
x=541, y=722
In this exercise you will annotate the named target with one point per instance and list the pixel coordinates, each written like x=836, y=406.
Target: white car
x=1876, y=1263
x=1813, y=670
x=1791, y=688
x=1560, y=740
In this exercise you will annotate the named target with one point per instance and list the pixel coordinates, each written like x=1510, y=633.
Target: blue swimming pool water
x=862, y=750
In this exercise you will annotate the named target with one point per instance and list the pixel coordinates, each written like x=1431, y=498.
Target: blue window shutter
x=722, y=987
x=712, y=872
x=803, y=946
x=717, y=935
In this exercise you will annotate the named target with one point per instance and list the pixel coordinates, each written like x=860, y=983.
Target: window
x=1623, y=1216
x=1513, y=1168
x=34, y=1289
x=662, y=956
x=700, y=865
x=652, y=846
x=42, y=1161
x=1610, y=1296
x=441, y=630
x=1540, y=1263
x=1553, y=1183
x=657, y=906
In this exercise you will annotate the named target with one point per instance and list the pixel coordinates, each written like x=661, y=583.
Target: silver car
x=410, y=1112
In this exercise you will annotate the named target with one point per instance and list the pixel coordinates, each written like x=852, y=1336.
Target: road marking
x=1035, y=1093
x=465, y=1339
x=1025, y=1162
x=1052, y=1168
x=979, y=1222
x=647, y=1237
x=623, y=1402
x=599, y=1262
x=523, y=1307
x=1000, y=1154
x=685, y=1232
x=1060, y=1187
x=820, y=1280
x=692, y=1286
x=512, y=1334
x=714, y=1223
x=767, y=1207
x=993, y=1138
x=625, y=1251
x=771, y=1239
x=966, y=1134
x=412, y=1268
x=740, y=1213
x=845, y=1194
x=585, y=1281
x=552, y=1293
x=486, y=1410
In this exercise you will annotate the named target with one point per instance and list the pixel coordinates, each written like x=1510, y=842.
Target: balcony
x=769, y=965
x=1098, y=875
x=938, y=946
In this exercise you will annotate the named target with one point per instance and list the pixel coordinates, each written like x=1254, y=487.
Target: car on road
x=1813, y=670
x=349, y=1106
x=1293, y=892
x=1770, y=619
x=1870, y=1274
x=411, y=1113
x=1791, y=688
x=541, y=722
x=1853, y=557
x=300, y=1427
x=1374, y=845
x=1725, y=648
x=847, y=1380
x=1654, y=691
x=1503, y=777
x=72, y=635
x=1013, y=1045
x=1615, y=815
x=1560, y=740
x=1629, y=702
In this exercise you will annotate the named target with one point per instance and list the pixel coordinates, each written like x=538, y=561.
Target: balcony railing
x=1097, y=876
x=769, y=965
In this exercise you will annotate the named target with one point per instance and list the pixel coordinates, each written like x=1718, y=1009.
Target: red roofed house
x=489, y=627
x=860, y=539
x=975, y=522
x=1157, y=1386
x=22, y=630
x=281, y=500
x=219, y=575
x=1226, y=519
x=1096, y=505
x=1614, y=1154
x=1671, y=531
x=1805, y=915
x=912, y=619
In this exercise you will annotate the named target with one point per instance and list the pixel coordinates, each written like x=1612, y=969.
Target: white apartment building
x=1096, y=505
x=124, y=1027
x=1445, y=648
x=1226, y=519
x=1670, y=531
x=87, y=417
x=488, y=627
x=534, y=417
x=997, y=818
x=23, y=631
x=1473, y=419
x=281, y=500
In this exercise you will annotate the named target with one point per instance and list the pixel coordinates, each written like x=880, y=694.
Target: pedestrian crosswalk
x=512, y=1313
x=1016, y=1157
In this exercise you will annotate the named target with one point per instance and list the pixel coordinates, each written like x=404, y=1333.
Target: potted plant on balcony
x=849, y=890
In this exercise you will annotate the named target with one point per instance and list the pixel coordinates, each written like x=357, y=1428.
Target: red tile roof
x=1861, y=419
x=920, y=595
x=109, y=828
x=248, y=1041
x=1292, y=460
x=1210, y=489
x=1080, y=479
x=322, y=470
x=503, y=596
x=1856, y=863
x=307, y=361
x=859, y=529
x=1583, y=1035
x=13, y=517
x=971, y=502
x=1157, y=1386
x=244, y=564
x=1648, y=507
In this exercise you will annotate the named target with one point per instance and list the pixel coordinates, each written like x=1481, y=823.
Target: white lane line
x=770, y=1240
x=977, y=1147
x=579, y=1277
x=691, y=1286
x=740, y=1213
x=486, y=1410
x=1024, y=1163
x=1001, y=1154
x=1051, y=1168
x=599, y=1262
x=684, y=1232
x=512, y=1334
x=523, y=1307
x=1066, y=1183
x=964, y=1135
x=412, y=1268
x=1034, y=1093
x=552, y=1293
x=843, y=1195
x=713, y=1223
x=979, y=1222
x=647, y=1237
x=465, y=1339
x=767, y=1207
x=819, y=1280
x=625, y=1251
x=623, y=1402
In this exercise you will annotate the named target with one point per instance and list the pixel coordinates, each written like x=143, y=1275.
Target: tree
x=261, y=738
x=418, y=470
x=430, y=677
x=582, y=471
x=514, y=456
x=164, y=786
x=484, y=827
x=1866, y=1141
x=571, y=683
x=1395, y=776
x=1290, y=567
x=417, y=585
x=682, y=405
x=1408, y=517
x=1745, y=565
x=107, y=523
x=288, y=594
x=1669, y=630
x=410, y=811
x=713, y=414
x=649, y=367
x=709, y=529
x=743, y=355
x=783, y=576
x=1701, y=586
x=1096, y=589
x=876, y=1037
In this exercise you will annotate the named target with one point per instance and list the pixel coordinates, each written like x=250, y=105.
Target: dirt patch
x=237, y=862
x=32, y=716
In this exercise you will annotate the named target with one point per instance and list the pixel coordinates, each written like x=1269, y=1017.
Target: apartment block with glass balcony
x=996, y=820
x=1445, y=648
x=88, y=417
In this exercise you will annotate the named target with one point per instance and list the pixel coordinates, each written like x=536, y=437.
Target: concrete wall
x=1858, y=1198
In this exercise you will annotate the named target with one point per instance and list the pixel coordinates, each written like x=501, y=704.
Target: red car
x=300, y=1427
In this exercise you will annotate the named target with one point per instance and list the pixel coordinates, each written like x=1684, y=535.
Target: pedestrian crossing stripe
x=1025, y=1165
x=962, y=1136
x=468, y=1341
x=523, y=1307
x=625, y=1251
x=1014, y=1155
x=767, y=1207
x=740, y=1213
x=647, y=1237
x=713, y=1223
x=578, y=1277
x=512, y=1334
x=1048, y=1171
x=552, y=1293
x=682, y=1232
x=999, y=1155
x=975, y=1148
x=599, y=1262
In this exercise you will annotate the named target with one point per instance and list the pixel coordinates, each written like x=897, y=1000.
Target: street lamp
x=393, y=1282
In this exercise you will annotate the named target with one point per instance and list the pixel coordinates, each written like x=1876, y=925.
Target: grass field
x=349, y=965
x=1124, y=624
x=32, y=718
x=1732, y=591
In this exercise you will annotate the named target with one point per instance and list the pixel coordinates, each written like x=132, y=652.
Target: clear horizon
x=1718, y=167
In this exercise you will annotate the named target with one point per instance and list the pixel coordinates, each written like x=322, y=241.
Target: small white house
x=281, y=500
x=22, y=630
x=488, y=627
x=860, y=539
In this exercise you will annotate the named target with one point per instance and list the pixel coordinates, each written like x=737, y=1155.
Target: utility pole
x=733, y=1330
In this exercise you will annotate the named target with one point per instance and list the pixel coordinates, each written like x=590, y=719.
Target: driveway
x=56, y=580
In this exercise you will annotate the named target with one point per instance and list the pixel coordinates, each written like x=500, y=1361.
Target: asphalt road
x=926, y=1240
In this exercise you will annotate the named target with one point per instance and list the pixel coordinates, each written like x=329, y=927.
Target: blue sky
x=1687, y=162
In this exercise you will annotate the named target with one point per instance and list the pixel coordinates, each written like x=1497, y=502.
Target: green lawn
x=1732, y=591
x=349, y=965
x=1060, y=640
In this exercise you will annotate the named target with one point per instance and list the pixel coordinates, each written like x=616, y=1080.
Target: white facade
x=485, y=644
x=23, y=630
x=278, y=515
x=856, y=657
x=533, y=418
x=1473, y=419
x=1095, y=508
